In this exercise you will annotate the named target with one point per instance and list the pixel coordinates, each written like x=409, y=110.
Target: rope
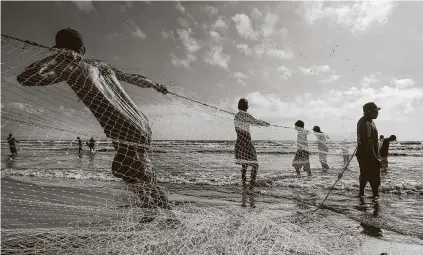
x=171, y=93
x=336, y=181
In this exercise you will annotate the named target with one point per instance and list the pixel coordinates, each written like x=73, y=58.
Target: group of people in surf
x=130, y=132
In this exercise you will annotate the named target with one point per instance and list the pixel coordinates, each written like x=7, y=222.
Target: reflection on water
x=246, y=195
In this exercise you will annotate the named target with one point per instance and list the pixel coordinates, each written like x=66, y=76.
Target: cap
x=317, y=129
x=69, y=38
x=393, y=137
x=370, y=106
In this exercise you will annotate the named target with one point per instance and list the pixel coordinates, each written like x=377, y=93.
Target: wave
x=287, y=181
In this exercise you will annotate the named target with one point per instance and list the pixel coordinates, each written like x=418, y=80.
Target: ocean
x=202, y=174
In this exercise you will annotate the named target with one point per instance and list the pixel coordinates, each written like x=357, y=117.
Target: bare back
x=96, y=85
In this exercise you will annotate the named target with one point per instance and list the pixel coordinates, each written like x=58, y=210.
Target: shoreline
x=67, y=208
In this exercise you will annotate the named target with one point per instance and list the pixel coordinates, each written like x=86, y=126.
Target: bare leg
x=253, y=176
x=244, y=176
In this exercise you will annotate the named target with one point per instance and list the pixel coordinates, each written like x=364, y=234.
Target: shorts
x=13, y=150
x=369, y=171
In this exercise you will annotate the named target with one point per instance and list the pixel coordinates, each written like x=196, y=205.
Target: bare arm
x=366, y=137
x=139, y=80
x=42, y=73
x=253, y=121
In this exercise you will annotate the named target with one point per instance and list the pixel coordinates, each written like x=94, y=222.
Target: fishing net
x=98, y=150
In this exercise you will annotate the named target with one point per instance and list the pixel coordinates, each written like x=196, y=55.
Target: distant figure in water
x=245, y=153
x=79, y=146
x=384, y=151
x=92, y=145
x=322, y=147
x=98, y=86
x=12, y=146
x=302, y=157
x=381, y=138
x=345, y=153
x=367, y=149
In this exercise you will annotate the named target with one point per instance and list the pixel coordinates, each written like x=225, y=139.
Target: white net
x=84, y=175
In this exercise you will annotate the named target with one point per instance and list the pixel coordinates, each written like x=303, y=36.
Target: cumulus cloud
x=316, y=70
x=245, y=49
x=358, y=15
x=126, y=5
x=85, y=6
x=211, y=10
x=244, y=27
x=368, y=80
x=255, y=13
x=403, y=83
x=216, y=57
x=215, y=35
x=284, y=72
x=240, y=77
x=220, y=23
x=24, y=107
x=135, y=30
x=270, y=49
x=191, y=44
x=183, y=62
x=183, y=22
x=269, y=24
x=167, y=35
x=334, y=104
x=180, y=7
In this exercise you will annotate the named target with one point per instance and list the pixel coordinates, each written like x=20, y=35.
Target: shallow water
x=203, y=175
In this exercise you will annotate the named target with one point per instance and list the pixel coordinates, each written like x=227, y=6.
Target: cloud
x=269, y=24
x=180, y=7
x=331, y=78
x=245, y=49
x=244, y=27
x=135, y=30
x=211, y=10
x=240, y=77
x=126, y=5
x=403, y=83
x=255, y=13
x=216, y=57
x=284, y=72
x=316, y=70
x=333, y=105
x=269, y=48
x=86, y=6
x=368, y=80
x=215, y=35
x=191, y=45
x=25, y=107
x=185, y=62
x=183, y=22
x=220, y=23
x=359, y=15
x=167, y=35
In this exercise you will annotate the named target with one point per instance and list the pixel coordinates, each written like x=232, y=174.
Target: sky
x=315, y=61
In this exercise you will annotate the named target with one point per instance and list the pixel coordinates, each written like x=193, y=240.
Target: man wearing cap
x=97, y=85
x=367, y=149
x=384, y=151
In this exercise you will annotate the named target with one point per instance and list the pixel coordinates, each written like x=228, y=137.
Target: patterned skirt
x=245, y=153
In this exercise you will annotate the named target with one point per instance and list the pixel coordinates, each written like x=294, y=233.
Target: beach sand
x=67, y=220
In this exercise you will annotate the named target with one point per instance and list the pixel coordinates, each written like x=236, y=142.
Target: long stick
x=336, y=180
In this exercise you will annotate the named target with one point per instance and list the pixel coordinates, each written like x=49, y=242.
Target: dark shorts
x=302, y=158
x=13, y=150
x=369, y=171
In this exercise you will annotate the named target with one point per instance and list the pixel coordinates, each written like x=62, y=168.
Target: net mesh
x=83, y=171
